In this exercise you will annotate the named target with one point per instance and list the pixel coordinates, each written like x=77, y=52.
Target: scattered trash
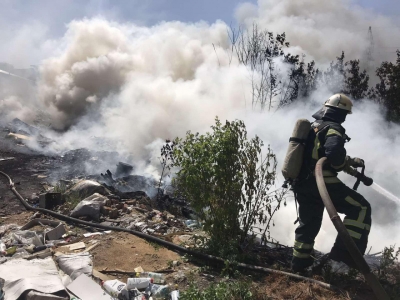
x=75, y=264
x=157, y=290
x=53, y=234
x=86, y=289
x=3, y=248
x=138, y=283
x=76, y=246
x=56, y=233
x=22, y=275
x=5, y=228
x=11, y=251
x=2, y=281
x=175, y=295
x=50, y=200
x=35, y=222
x=41, y=254
x=27, y=237
x=138, y=269
x=157, y=277
x=89, y=207
x=71, y=247
x=87, y=188
x=192, y=224
x=96, y=233
x=100, y=276
x=116, y=289
x=34, y=295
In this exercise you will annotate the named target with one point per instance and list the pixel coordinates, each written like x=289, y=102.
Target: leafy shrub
x=226, y=180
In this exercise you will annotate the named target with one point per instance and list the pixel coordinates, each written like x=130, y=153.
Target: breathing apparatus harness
x=316, y=127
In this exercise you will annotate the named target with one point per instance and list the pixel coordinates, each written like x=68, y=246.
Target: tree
x=387, y=91
x=226, y=181
x=333, y=78
x=302, y=81
x=257, y=49
x=355, y=82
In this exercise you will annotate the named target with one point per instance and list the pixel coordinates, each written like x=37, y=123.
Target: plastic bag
x=27, y=237
x=87, y=188
x=90, y=207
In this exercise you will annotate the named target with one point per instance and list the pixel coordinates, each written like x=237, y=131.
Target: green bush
x=226, y=180
x=232, y=290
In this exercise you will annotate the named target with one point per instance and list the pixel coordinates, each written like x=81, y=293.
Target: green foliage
x=355, y=82
x=60, y=188
x=223, y=290
x=389, y=271
x=73, y=198
x=155, y=246
x=224, y=177
x=387, y=91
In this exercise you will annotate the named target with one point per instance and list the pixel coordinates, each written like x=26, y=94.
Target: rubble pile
x=58, y=255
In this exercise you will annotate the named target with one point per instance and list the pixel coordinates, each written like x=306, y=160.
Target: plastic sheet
x=22, y=275
x=75, y=264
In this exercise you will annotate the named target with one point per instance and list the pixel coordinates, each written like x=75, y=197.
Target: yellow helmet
x=340, y=101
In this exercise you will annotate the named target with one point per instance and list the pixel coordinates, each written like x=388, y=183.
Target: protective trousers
x=347, y=201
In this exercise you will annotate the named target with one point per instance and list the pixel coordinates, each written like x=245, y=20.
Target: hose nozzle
x=365, y=179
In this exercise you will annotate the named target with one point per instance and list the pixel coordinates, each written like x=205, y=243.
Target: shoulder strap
x=320, y=125
x=297, y=140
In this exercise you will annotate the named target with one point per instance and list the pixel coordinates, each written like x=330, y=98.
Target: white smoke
x=323, y=29
x=139, y=85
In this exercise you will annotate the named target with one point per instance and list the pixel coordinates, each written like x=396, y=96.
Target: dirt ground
x=125, y=251
x=119, y=253
x=25, y=170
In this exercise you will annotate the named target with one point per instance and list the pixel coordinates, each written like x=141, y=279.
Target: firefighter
x=327, y=139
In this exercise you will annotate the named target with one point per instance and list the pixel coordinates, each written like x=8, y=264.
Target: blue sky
x=56, y=13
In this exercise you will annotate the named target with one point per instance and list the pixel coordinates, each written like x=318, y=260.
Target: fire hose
x=162, y=242
x=342, y=231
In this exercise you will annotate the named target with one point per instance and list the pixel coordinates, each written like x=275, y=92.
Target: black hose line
x=348, y=241
x=162, y=242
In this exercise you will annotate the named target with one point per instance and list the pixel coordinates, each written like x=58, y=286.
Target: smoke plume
x=323, y=29
x=136, y=86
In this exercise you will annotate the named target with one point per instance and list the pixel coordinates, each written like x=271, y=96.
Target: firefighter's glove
x=356, y=162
